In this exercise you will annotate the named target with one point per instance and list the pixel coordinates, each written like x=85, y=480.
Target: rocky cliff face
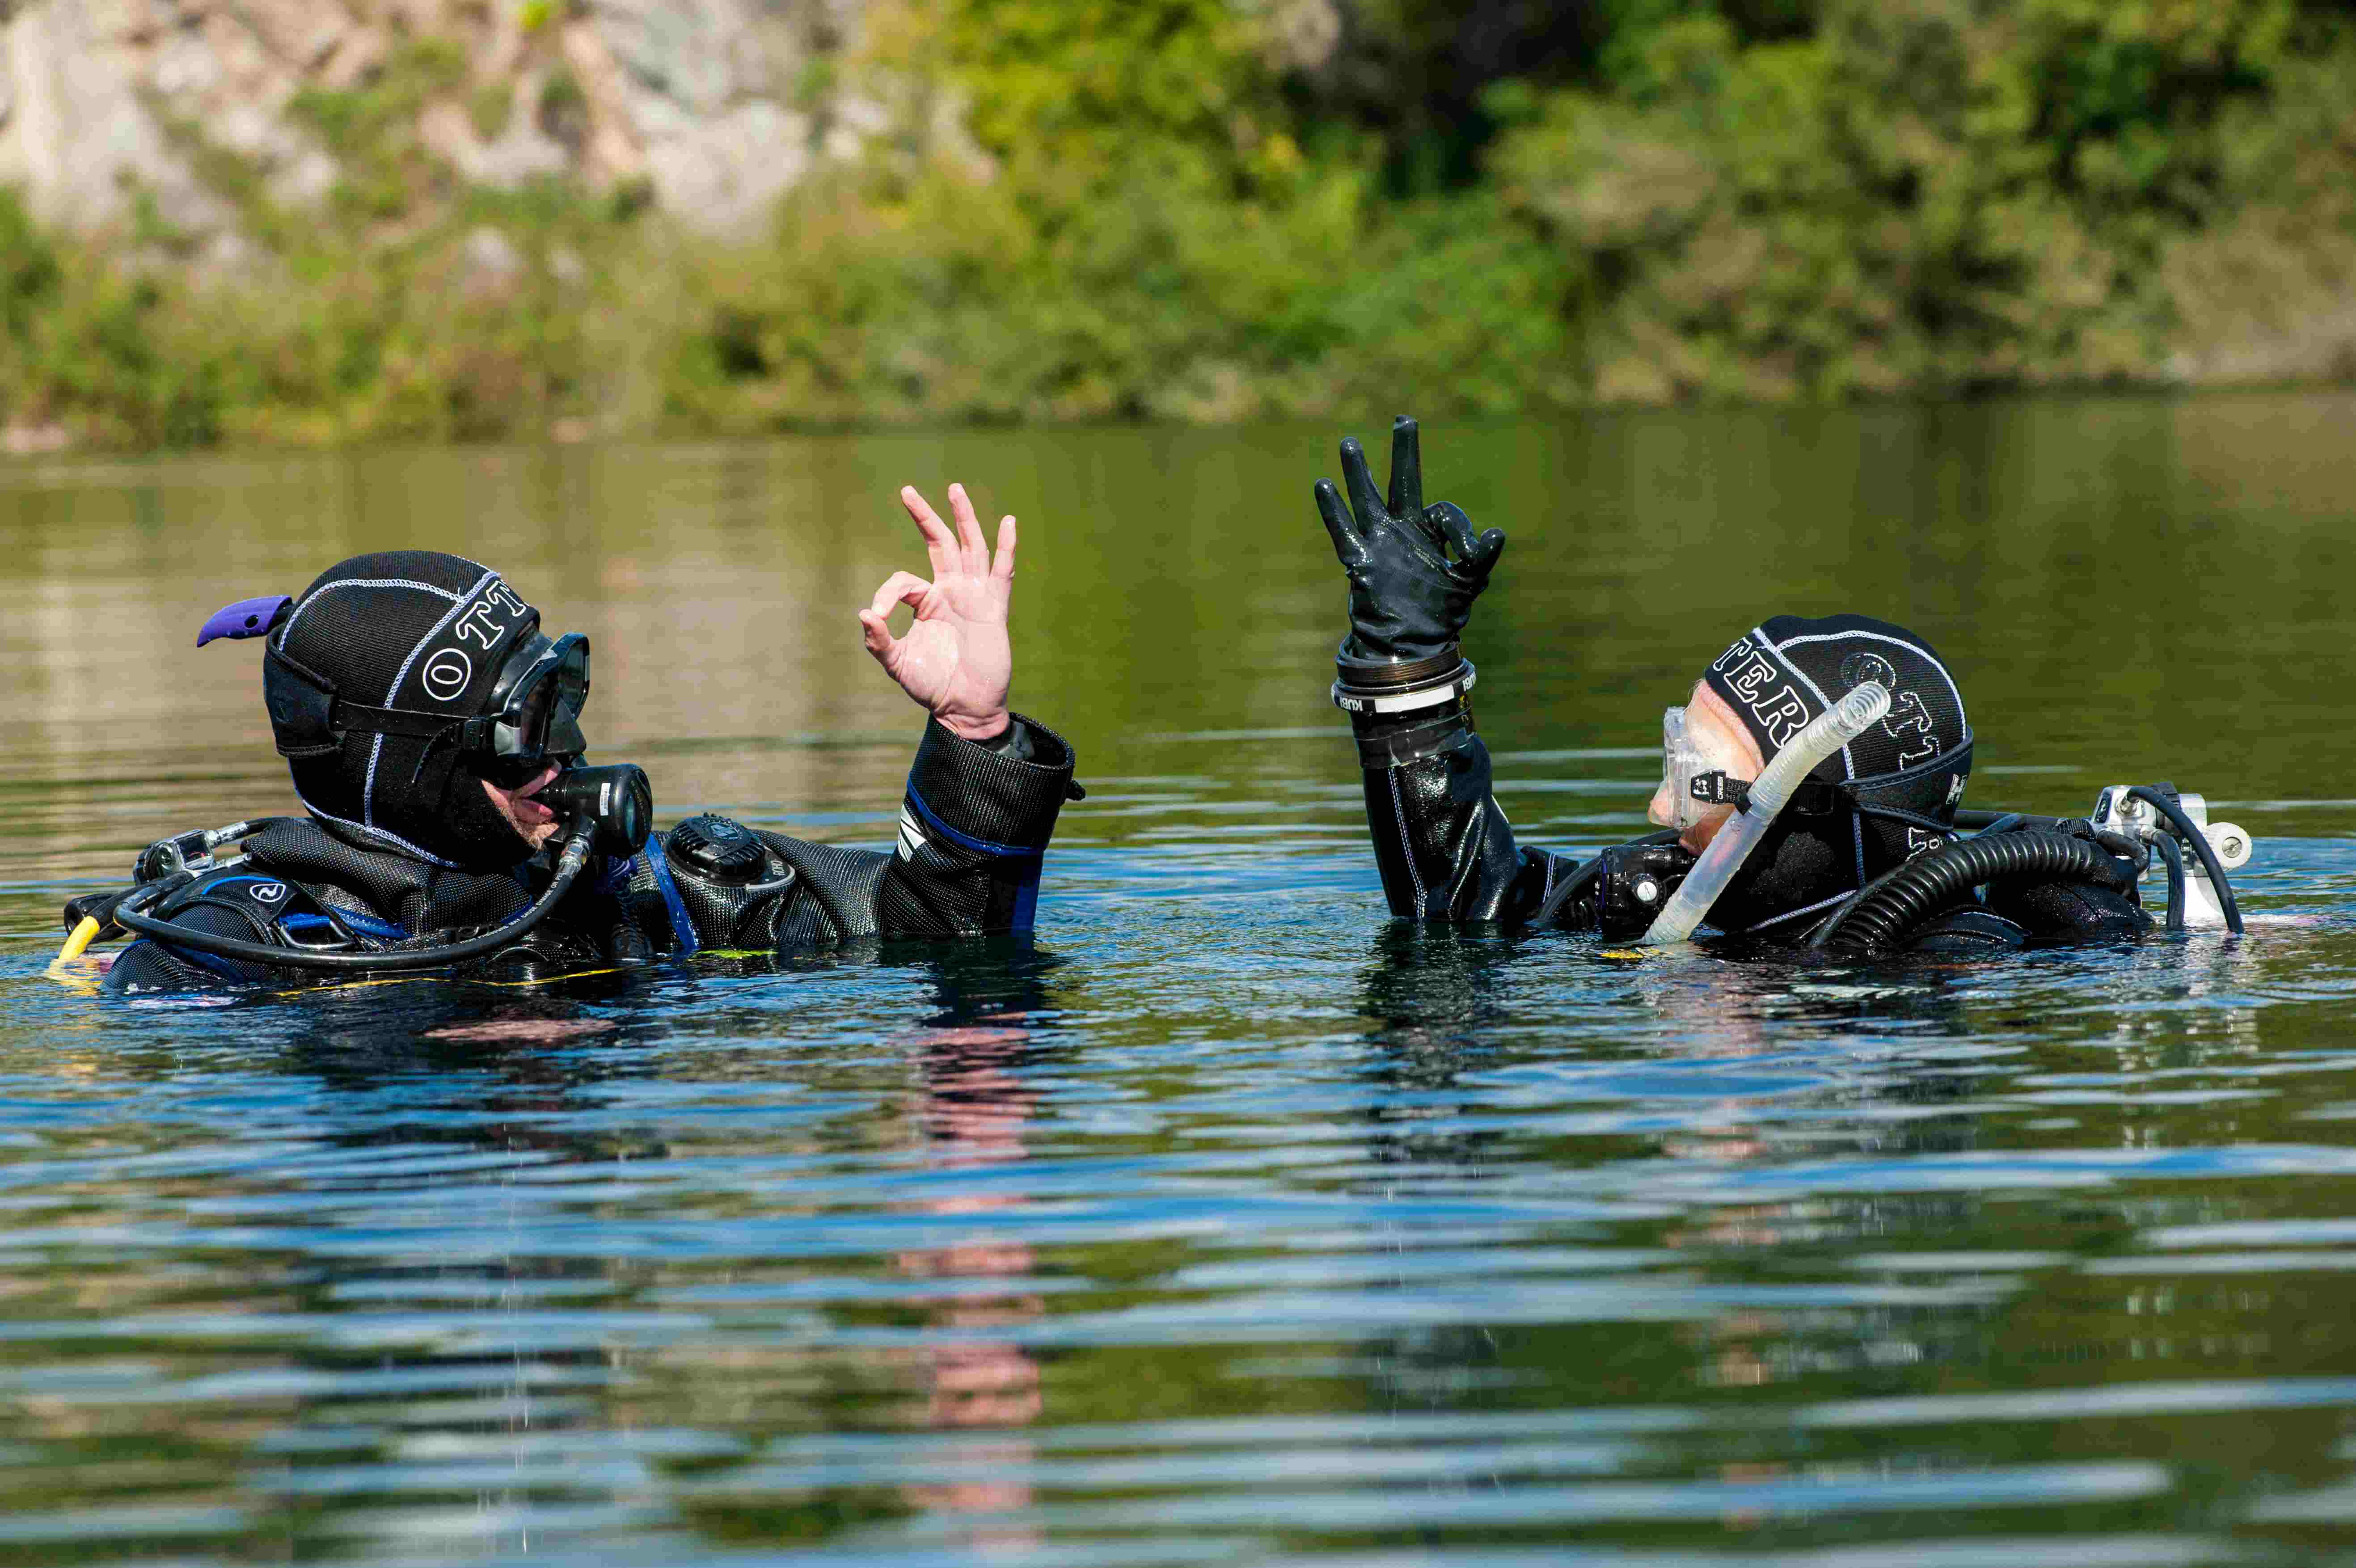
x=713, y=106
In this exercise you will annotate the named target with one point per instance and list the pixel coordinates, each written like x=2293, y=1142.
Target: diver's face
x=1712, y=727
x=533, y=822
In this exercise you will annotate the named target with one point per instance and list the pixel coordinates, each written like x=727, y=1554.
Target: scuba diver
x=1809, y=790
x=434, y=732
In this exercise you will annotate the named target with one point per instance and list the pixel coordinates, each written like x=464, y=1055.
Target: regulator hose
x=1878, y=918
x=2166, y=845
x=568, y=867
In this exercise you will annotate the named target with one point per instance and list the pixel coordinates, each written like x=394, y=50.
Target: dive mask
x=1682, y=763
x=534, y=711
x=1699, y=783
x=532, y=716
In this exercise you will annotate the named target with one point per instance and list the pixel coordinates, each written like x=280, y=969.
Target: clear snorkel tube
x=1770, y=792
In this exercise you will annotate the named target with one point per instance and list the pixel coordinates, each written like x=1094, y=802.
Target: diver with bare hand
x=433, y=733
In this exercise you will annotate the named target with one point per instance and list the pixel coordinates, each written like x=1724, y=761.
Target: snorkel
x=1769, y=793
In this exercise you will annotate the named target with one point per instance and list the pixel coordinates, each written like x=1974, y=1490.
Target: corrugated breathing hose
x=1901, y=899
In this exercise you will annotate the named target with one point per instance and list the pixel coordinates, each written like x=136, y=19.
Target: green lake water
x=1228, y=1222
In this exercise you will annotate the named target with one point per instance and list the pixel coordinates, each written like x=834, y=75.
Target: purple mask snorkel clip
x=247, y=617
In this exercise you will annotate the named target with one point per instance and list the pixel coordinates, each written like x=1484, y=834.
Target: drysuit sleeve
x=1446, y=853
x=1443, y=843
x=974, y=826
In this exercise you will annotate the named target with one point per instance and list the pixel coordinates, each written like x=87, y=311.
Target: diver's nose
x=1661, y=813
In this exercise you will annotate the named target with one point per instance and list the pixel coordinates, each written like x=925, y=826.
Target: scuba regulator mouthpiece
x=617, y=803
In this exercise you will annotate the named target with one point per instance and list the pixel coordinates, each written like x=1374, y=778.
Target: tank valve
x=2116, y=811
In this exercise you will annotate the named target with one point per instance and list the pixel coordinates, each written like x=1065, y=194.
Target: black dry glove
x=1408, y=600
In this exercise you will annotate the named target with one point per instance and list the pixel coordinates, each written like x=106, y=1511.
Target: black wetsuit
x=974, y=824
x=1448, y=853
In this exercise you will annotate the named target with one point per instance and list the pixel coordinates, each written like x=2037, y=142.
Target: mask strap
x=1813, y=798
x=452, y=731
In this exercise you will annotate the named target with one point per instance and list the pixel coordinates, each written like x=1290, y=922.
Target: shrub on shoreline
x=1144, y=213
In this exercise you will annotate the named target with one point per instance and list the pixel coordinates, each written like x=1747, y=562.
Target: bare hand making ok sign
x=955, y=659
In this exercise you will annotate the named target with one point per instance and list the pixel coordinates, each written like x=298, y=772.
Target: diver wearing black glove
x=1446, y=853
x=429, y=724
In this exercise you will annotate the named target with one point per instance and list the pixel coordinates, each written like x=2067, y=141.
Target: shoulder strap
x=278, y=911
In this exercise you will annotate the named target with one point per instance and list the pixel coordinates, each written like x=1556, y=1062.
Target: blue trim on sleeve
x=682, y=925
x=966, y=841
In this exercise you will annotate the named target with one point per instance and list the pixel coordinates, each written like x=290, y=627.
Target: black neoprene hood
x=414, y=630
x=1786, y=670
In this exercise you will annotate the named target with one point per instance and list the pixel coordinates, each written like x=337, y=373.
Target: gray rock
x=492, y=261
x=81, y=138
x=704, y=100
x=518, y=153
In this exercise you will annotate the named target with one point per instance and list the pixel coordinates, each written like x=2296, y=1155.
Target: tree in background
x=1223, y=210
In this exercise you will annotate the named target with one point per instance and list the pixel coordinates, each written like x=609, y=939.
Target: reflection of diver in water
x=444, y=1311
x=1440, y=1010
x=1426, y=994
x=433, y=735
x=1809, y=785
x=546, y=1353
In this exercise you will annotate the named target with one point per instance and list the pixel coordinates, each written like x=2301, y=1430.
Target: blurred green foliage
x=1220, y=210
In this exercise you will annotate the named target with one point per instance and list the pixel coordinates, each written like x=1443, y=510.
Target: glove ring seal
x=1429, y=692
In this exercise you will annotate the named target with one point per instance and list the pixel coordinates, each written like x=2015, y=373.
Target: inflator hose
x=568, y=868
x=2174, y=856
x=1879, y=918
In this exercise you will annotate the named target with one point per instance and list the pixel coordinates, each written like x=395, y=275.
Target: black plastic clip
x=1717, y=789
x=1813, y=798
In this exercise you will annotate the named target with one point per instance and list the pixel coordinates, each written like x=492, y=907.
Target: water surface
x=1228, y=1223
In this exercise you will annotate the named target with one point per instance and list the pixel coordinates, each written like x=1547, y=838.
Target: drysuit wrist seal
x=1397, y=740
x=1367, y=687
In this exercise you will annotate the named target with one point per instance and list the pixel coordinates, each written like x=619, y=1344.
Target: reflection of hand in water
x=972, y=1108
x=524, y=1031
x=971, y=1115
